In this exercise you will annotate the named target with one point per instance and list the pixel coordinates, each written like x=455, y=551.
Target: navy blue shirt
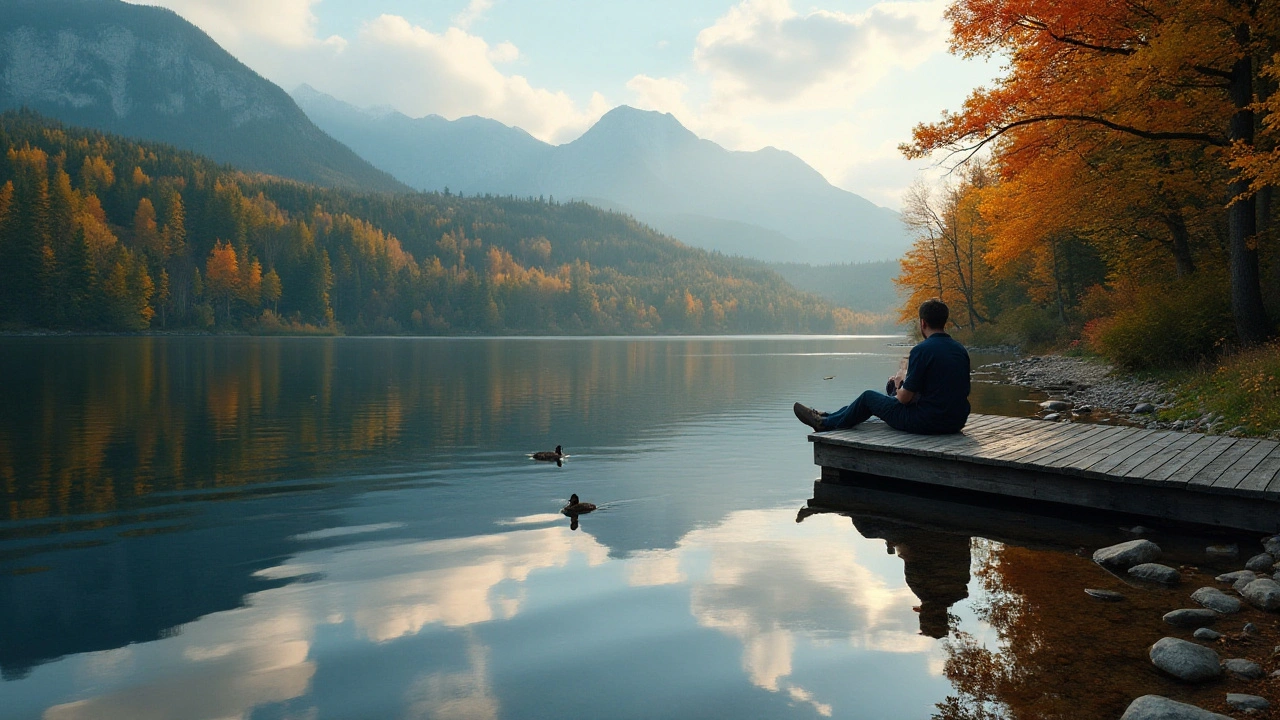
x=938, y=373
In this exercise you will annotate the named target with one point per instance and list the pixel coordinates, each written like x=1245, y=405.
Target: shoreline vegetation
x=1234, y=395
x=98, y=232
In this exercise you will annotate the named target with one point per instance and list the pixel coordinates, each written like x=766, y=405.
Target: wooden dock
x=1204, y=479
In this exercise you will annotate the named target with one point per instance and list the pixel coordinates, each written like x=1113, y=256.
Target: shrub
x=1178, y=322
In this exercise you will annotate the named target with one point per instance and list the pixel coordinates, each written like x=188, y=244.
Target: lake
x=281, y=528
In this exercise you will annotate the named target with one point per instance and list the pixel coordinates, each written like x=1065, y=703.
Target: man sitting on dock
x=933, y=398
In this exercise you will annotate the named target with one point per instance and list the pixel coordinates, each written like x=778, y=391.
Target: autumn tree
x=222, y=276
x=1179, y=73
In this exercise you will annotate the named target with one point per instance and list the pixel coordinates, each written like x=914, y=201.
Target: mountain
x=144, y=72
x=766, y=204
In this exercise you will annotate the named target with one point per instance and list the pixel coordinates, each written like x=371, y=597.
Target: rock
x=1108, y=595
x=1155, y=707
x=1084, y=409
x=1263, y=593
x=1272, y=545
x=1137, y=530
x=1127, y=554
x=1216, y=600
x=1260, y=563
x=1249, y=629
x=1242, y=668
x=1232, y=577
x=1206, y=634
x=1224, y=550
x=1144, y=407
x=1190, y=617
x=1155, y=572
x=1185, y=660
x=1242, y=583
x=1240, y=701
x=1055, y=405
x=1052, y=417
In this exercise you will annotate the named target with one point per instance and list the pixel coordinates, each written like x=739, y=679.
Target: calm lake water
x=351, y=528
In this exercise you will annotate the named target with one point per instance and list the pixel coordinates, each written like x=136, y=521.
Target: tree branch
x=1040, y=25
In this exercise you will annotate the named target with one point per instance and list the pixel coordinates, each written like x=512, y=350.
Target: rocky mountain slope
x=146, y=73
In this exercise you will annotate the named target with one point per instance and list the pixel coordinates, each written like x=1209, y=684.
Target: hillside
x=145, y=73
x=766, y=204
x=101, y=232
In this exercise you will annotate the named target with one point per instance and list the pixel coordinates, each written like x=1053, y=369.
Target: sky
x=840, y=83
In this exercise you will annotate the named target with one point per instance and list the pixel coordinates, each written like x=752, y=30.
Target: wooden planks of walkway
x=1216, y=480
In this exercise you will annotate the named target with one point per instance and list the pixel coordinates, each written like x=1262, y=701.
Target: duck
x=575, y=507
x=549, y=455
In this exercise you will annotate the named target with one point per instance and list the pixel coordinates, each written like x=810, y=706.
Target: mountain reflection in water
x=338, y=528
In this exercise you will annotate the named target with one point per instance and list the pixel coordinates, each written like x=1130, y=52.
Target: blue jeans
x=888, y=409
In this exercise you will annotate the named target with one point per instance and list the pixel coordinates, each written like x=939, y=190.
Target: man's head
x=934, y=314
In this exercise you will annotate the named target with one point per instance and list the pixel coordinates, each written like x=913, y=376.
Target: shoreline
x=1086, y=386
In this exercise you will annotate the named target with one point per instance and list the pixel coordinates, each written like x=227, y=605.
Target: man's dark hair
x=934, y=313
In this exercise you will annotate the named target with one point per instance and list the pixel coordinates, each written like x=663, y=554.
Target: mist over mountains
x=146, y=73
x=766, y=204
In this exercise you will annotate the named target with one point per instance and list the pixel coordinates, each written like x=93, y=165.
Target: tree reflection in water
x=1054, y=653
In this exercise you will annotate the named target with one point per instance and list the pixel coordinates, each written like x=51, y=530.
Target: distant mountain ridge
x=767, y=204
x=146, y=73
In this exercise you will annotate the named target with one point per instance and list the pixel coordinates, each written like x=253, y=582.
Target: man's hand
x=905, y=396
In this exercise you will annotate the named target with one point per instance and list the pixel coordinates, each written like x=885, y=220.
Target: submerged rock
x=1156, y=707
x=1108, y=595
x=1261, y=562
x=1232, y=577
x=1190, y=617
x=1272, y=545
x=1055, y=405
x=1127, y=554
x=1216, y=600
x=1185, y=660
x=1242, y=668
x=1206, y=634
x=1223, y=550
x=1240, y=701
x=1263, y=593
x=1155, y=572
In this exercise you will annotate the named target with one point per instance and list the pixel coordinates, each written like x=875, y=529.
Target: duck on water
x=575, y=507
x=548, y=455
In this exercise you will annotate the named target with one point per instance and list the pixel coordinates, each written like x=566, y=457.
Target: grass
x=1243, y=388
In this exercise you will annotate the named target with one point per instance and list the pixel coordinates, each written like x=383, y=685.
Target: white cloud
x=391, y=62
x=474, y=11
x=289, y=23
x=763, y=51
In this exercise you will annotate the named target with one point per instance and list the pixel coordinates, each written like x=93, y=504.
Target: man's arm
x=905, y=396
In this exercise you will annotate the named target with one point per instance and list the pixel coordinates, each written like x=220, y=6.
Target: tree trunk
x=1252, y=325
x=1180, y=244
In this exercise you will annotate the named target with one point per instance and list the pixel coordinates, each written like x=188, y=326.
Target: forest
x=103, y=233
x=1114, y=188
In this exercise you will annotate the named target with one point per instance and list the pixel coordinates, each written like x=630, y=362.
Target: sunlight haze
x=840, y=84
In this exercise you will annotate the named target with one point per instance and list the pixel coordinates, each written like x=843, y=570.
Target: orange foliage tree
x=1168, y=76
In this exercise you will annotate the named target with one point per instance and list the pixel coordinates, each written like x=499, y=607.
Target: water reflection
x=352, y=528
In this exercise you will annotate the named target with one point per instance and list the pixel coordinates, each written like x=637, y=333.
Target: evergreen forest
x=103, y=233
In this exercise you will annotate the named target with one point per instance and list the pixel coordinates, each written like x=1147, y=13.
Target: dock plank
x=1201, y=461
x=1175, y=461
x=1227, y=481
x=1092, y=452
x=1077, y=443
x=1135, y=463
x=1120, y=463
x=1065, y=434
x=1238, y=471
